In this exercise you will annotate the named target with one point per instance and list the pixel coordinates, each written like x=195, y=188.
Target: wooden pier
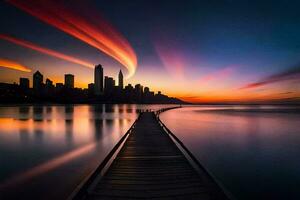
x=149, y=162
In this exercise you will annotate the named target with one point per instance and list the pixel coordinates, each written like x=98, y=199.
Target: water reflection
x=99, y=108
x=253, y=151
x=24, y=136
x=109, y=108
x=129, y=108
x=49, y=109
x=98, y=124
x=69, y=131
x=38, y=136
x=38, y=113
x=122, y=108
x=69, y=114
x=40, y=145
x=24, y=113
x=47, y=166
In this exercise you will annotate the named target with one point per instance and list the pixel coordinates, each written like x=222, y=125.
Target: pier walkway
x=148, y=163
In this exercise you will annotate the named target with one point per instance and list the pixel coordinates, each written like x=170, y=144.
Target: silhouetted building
x=109, y=84
x=120, y=80
x=91, y=88
x=24, y=83
x=59, y=86
x=37, y=81
x=146, y=90
x=138, y=92
x=69, y=81
x=68, y=94
x=49, y=83
x=49, y=87
x=128, y=91
x=146, y=95
x=128, y=87
x=98, y=79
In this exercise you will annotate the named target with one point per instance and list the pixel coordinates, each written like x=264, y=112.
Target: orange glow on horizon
x=13, y=65
x=45, y=50
x=230, y=96
x=100, y=36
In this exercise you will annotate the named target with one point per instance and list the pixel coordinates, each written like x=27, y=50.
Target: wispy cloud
x=217, y=75
x=172, y=58
x=11, y=64
x=44, y=50
x=290, y=74
x=100, y=35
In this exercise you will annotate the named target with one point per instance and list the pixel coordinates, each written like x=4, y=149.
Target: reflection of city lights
x=101, y=35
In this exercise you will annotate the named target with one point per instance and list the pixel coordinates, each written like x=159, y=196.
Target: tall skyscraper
x=24, y=83
x=37, y=81
x=69, y=80
x=121, y=85
x=98, y=79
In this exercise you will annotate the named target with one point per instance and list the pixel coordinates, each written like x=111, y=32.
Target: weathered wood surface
x=150, y=165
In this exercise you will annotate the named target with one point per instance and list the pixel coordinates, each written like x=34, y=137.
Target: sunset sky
x=210, y=51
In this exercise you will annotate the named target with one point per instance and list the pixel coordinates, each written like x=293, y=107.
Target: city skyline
x=69, y=80
x=103, y=90
x=243, y=53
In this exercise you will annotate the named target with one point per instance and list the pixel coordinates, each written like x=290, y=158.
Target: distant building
x=120, y=84
x=109, y=84
x=69, y=81
x=91, y=88
x=138, y=92
x=146, y=90
x=151, y=94
x=146, y=95
x=59, y=86
x=24, y=83
x=49, y=87
x=37, y=81
x=128, y=87
x=66, y=93
x=128, y=90
x=49, y=83
x=98, y=80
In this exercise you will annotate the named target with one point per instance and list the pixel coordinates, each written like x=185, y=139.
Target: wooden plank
x=150, y=165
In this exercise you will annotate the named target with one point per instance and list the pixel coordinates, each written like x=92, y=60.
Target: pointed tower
x=121, y=85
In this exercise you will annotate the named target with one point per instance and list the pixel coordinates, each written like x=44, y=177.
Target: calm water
x=253, y=151
x=53, y=148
